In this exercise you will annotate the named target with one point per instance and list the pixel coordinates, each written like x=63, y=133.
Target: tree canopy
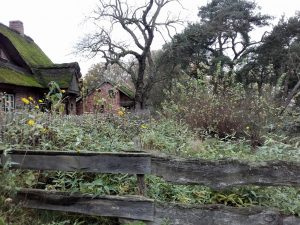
x=139, y=23
x=222, y=37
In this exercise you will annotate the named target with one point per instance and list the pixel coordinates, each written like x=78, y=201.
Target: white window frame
x=3, y=55
x=8, y=103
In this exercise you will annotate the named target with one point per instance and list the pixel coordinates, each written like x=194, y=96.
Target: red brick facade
x=36, y=94
x=106, y=98
x=21, y=92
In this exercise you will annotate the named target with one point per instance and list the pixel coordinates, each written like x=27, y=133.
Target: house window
x=8, y=102
x=112, y=93
x=3, y=55
x=102, y=109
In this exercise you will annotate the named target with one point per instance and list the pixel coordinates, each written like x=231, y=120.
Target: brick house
x=25, y=70
x=108, y=97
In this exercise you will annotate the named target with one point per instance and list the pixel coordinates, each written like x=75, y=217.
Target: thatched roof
x=26, y=47
x=31, y=67
x=18, y=78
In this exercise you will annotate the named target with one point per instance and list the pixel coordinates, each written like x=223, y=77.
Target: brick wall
x=21, y=92
x=26, y=94
x=79, y=107
x=36, y=94
x=101, y=100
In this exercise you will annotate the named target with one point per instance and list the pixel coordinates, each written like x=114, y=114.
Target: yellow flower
x=143, y=126
x=25, y=101
x=30, y=122
x=30, y=99
x=63, y=91
x=247, y=128
x=40, y=101
x=36, y=107
x=121, y=113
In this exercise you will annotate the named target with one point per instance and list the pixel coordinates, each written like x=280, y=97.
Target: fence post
x=140, y=177
x=141, y=184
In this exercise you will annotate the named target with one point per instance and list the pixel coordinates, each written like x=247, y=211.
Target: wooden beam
x=130, y=207
x=130, y=163
x=222, y=174
x=140, y=208
x=218, y=174
x=219, y=215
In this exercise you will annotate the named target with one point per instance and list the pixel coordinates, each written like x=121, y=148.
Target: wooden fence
x=215, y=174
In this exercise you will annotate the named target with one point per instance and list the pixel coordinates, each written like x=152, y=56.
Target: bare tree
x=139, y=23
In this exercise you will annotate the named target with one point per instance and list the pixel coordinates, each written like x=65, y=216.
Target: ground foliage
x=112, y=132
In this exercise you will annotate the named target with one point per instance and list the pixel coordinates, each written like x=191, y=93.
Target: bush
x=230, y=113
x=168, y=136
x=57, y=132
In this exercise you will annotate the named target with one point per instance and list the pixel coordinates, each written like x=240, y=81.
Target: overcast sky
x=57, y=25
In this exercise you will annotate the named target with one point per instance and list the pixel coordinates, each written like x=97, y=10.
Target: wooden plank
x=217, y=174
x=1, y=156
x=140, y=208
x=218, y=215
x=141, y=184
x=131, y=163
x=226, y=173
x=74, y=153
x=130, y=207
x=291, y=220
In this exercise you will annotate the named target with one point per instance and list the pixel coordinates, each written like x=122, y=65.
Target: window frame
x=8, y=102
x=3, y=55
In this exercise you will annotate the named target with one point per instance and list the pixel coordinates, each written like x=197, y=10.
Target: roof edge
x=114, y=85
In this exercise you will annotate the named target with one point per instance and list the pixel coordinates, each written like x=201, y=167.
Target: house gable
x=25, y=64
x=108, y=96
x=74, y=86
x=3, y=54
x=26, y=47
x=12, y=55
x=66, y=75
x=122, y=88
x=25, y=70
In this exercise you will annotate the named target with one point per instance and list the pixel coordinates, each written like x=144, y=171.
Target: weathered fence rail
x=216, y=174
x=219, y=215
x=131, y=163
x=140, y=208
x=226, y=173
x=133, y=207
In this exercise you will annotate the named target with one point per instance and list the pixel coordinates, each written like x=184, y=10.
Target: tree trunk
x=139, y=101
x=290, y=97
x=138, y=106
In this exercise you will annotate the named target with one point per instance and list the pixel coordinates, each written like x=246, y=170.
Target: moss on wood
x=42, y=67
x=127, y=91
x=61, y=75
x=29, y=51
x=63, y=80
x=9, y=76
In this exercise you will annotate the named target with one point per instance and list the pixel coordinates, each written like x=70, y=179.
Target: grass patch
x=115, y=133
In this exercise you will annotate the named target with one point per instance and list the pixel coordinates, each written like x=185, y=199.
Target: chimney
x=17, y=25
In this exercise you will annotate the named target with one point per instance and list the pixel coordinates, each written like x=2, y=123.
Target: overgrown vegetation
x=117, y=133
x=208, y=104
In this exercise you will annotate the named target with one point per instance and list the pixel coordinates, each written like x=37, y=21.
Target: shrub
x=230, y=113
x=168, y=136
x=36, y=130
